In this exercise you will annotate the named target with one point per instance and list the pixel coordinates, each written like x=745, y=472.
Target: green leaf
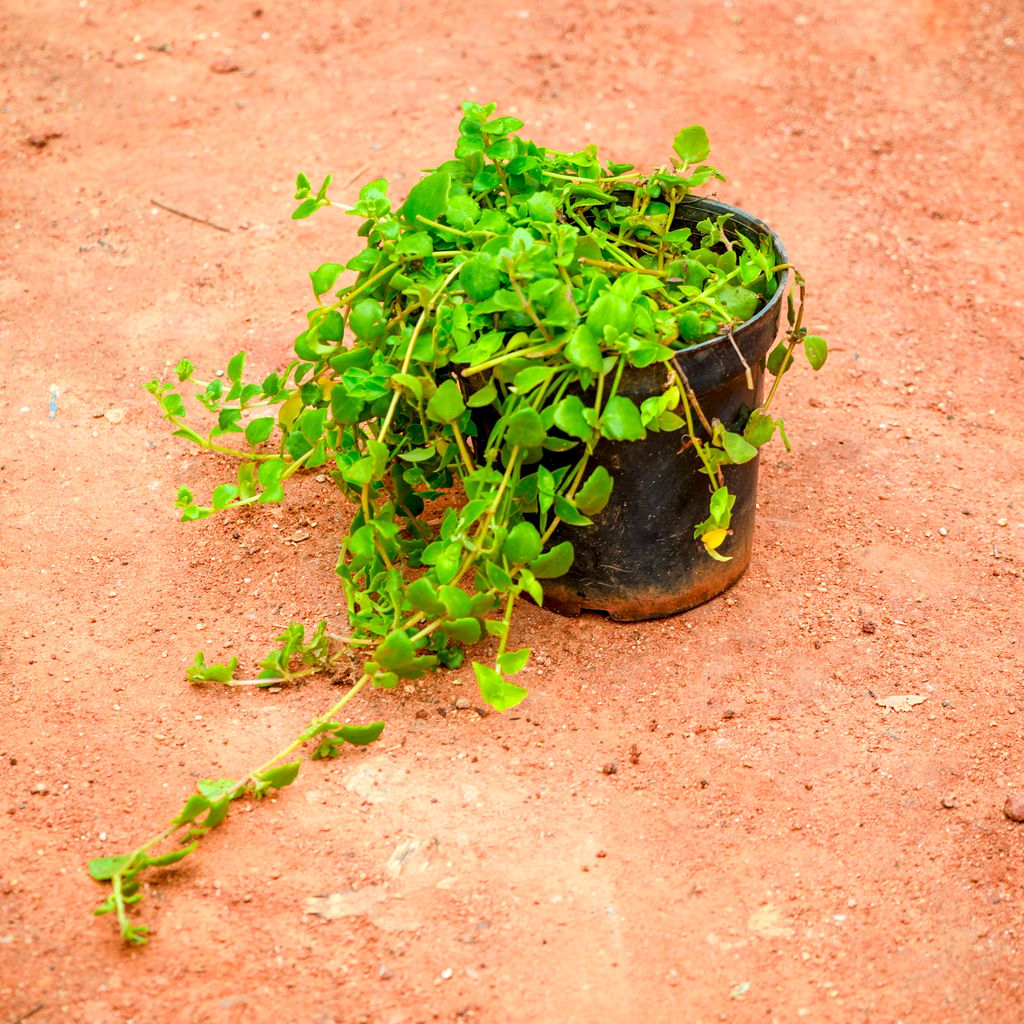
x=553, y=563
x=529, y=583
x=570, y=416
x=592, y=497
x=523, y=544
x=366, y=321
x=816, y=350
x=417, y=244
x=214, y=789
x=613, y=310
x=721, y=506
x=428, y=198
x=257, y=431
x=740, y=302
x=583, y=349
x=324, y=277
x=360, y=472
x=495, y=690
x=360, y=735
x=462, y=212
x=419, y=454
x=195, y=805
x=620, y=420
x=759, y=429
x=218, y=812
x=780, y=359
x=542, y=206
x=512, y=662
x=200, y=672
x=235, y=365
x=305, y=208
x=691, y=144
x=396, y=654
x=487, y=394
x=567, y=511
x=385, y=680
x=311, y=424
x=480, y=277
x=524, y=429
x=738, y=449
x=502, y=126
x=173, y=857
x=223, y=495
x=465, y=630
x=281, y=776
x=446, y=405
x=503, y=149
x=456, y=601
x=104, y=868
x=275, y=492
x=526, y=380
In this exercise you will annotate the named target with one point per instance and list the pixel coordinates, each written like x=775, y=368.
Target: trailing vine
x=452, y=380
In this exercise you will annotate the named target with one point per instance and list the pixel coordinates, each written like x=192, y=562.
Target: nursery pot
x=639, y=559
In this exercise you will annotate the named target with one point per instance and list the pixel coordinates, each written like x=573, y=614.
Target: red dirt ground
x=777, y=846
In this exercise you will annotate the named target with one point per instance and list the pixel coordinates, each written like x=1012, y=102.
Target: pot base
x=637, y=604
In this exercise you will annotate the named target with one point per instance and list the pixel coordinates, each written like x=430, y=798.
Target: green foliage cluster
x=453, y=379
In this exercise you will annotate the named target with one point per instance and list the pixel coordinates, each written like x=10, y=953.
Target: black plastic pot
x=639, y=559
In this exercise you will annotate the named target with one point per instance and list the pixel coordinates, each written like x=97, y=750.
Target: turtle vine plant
x=453, y=379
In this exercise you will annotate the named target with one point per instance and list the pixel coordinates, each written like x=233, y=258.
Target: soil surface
x=704, y=818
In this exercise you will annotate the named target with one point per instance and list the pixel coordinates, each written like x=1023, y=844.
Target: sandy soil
x=774, y=845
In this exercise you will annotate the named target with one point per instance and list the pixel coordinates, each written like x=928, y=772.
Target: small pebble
x=462, y=703
x=949, y=802
x=1014, y=807
x=943, y=531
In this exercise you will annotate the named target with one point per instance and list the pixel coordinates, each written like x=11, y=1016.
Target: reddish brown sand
x=774, y=845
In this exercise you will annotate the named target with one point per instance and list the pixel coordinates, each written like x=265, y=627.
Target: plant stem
x=467, y=459
x=346, y=297
x=618, y=268
x=527, y=305
x=532, y=352
x=407, y=360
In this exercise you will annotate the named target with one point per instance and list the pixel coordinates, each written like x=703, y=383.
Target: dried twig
x=188, y=216
x=25, y=1016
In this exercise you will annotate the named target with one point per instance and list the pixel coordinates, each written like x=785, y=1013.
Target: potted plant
x=541, y=377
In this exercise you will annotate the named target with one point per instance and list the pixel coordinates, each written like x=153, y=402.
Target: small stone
x=611, y=768
x=943, y=531
x=1014, y=807
x=868, y=626
x=949, y=802
x=40, y=789
x=462, y=703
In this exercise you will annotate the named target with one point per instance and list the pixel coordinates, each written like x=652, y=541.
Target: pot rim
x=755, y=224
